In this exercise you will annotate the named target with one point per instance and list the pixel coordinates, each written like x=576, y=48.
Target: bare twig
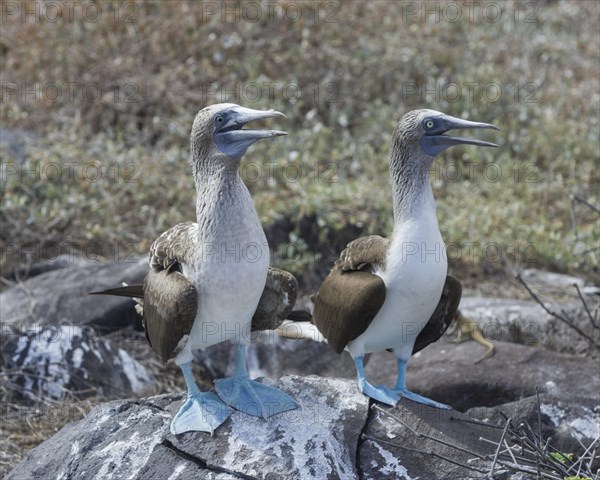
x=580, y=199
x=475, y=422
x=423, y=435
x=565, y=319
x=491, y=472
x=585, y=305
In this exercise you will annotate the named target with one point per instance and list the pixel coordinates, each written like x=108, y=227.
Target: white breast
x=230, y=276
x=414, y=276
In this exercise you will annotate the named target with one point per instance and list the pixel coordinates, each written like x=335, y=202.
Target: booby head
x=426, y=130
x=220, y=128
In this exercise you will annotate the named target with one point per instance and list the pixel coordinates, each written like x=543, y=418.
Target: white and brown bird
x=210, y=281
x=394, y=293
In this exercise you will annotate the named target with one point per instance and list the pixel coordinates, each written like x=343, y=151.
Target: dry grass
x=356, y=77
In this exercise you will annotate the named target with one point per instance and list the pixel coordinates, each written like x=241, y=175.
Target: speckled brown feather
x=173, y=246
x=277, y=300
x=363, y=252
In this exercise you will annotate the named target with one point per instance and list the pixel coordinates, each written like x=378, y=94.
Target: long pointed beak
x=232, y=140
x=436, y=141
x=240, y=116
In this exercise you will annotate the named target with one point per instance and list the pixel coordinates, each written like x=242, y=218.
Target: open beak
x=436, y=141
x=233, y=140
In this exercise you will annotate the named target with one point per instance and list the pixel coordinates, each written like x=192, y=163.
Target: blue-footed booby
x=210, y=281
x=394, y=294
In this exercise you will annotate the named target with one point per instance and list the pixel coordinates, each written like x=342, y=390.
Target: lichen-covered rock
x=333, y=435
x=56, y=362
x=125, y=439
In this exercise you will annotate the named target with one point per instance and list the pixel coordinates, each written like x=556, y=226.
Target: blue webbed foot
x=380, y=393
x=402, y=391
x=249, y=396
x=201, y=412
x=253, y=398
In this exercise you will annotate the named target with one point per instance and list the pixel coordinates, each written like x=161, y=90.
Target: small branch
x=424, y=452
x=491, y=472
x=585, y=305
x=565, y=320
x=475, y=422
x=580, y=199
x=423, y=435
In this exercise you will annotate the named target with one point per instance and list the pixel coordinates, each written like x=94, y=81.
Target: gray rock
x=525, y=322
x=59, y=362
x=388, y=447
x=126, y=439
x=59, y=297
x=447, y=372
x=541, y=278
x=26, y=270
x=334, y=435
x=508, y=320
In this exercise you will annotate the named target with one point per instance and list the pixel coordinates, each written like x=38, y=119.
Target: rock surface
x=334, y=435
x=447, y=372
x=59, y=297
x=126, y=439
x=57, y=362
x=525, y=322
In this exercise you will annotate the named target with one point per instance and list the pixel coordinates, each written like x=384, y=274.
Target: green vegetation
x=343, y=74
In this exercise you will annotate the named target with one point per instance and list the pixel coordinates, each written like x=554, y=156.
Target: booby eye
x=429, y=123
x=219, y=119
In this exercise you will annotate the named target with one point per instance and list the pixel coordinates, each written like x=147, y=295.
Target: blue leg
x=201, y=411
x=402, y=390
x=379, y=392
x=251, y=397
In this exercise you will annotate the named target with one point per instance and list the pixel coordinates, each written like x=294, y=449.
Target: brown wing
x=277, y=300
x=170, y=305
x=351, y=296
x=170, y=299
x=442, y=315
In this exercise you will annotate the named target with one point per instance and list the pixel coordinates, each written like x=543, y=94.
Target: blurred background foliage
x=115, y=99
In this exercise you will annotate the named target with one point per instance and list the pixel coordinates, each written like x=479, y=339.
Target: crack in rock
x=201, y=463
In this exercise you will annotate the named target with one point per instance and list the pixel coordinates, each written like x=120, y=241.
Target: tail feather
x=133, y=291
x=297, y=330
